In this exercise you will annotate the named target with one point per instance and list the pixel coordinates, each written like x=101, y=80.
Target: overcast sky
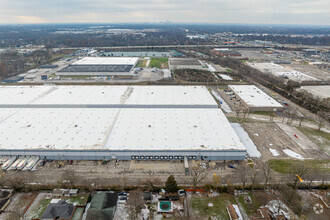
x=315, y=12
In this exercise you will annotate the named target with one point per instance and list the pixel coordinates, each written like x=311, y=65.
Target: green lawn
x=229, y=70
x=320, y=138
x=283, y=165
x=263, y=113
x=219, y=211
x=250, y=208
x=161, y=62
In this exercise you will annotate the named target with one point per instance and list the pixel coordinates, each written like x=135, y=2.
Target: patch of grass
x=159, y=62
x=219, y=211
x=41, y=208
x=246, y=120
x=80, y=199
x=320, y=138
x=250, y=208
x=229, y=70
x=263, y=113
x=283, y=165
x=141, y=63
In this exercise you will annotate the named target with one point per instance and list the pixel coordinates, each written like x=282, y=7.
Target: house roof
x=62, y=209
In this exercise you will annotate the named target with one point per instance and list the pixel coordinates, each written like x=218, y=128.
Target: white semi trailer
x=14, y=165
x=22, y=164
x=8, y=163
x=32, y=161
x=4, y=159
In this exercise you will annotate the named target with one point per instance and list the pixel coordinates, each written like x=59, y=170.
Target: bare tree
x=246, y=112
x=237, y=110
x=242, y=173
x=266, y=171
x=322, y=117
x=150, y=183
x=197, y=175
x=254, y=174
x=298, y=171
x=312, y=176
x=135, y=204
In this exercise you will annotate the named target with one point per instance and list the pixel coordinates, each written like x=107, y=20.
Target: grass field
x=142, y=63
x=263, y=113
x=160, y=63
x=283, y=165
x=218, y=211
x=320, y=138
x=256, y=202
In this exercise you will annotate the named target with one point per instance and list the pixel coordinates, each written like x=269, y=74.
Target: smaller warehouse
x=255, y=99
x=101, y=66
x=13, y=79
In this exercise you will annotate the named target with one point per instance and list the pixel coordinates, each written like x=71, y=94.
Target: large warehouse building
x=101, y=66
x=255, y=99
x=115, y=122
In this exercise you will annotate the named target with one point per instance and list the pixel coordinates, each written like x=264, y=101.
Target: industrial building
x=115, y=122
x=281, y=71
x=255, y=99
x=13, y=79
x=101, y=66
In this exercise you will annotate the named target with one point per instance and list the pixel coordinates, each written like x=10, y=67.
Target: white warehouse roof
x=107, y=61
x=106, y=95
x=58, y=128
x=117, y=129
x=113, y=118
x=254, y=97
x=173, y=129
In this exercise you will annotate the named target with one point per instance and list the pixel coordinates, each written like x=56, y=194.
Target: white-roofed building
x=101, y=66
x=254, y=98
x=122, y=122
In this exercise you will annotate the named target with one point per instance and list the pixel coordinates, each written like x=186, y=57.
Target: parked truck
x=8, y=163
x=22, y=164
x=14, y=165
x=32, y=161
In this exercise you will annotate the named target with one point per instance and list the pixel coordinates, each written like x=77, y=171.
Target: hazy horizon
x=271, y=12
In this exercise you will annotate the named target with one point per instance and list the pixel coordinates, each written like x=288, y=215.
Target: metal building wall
x=125, y=155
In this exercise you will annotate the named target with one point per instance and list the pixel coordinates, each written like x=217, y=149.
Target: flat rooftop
x=97, y=68
x=173, y=129
x=254, y=97
x=281, y=71
x=113, y=118
x=59, y=128
x=117, y=129
x=163, y=96
x=322, y=92
x=107, y=61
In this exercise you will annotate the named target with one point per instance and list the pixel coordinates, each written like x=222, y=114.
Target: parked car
x=122, y=194
x=122, y=199
x=41, y=163
x=181, y=192
x=70, y=162
x=231, y=166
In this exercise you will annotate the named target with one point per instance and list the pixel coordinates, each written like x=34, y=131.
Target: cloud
x=209, y=11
